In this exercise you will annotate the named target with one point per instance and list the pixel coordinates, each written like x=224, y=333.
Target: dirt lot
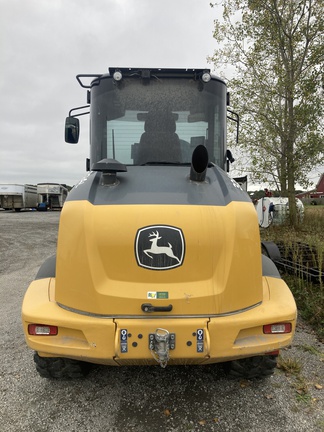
x=138, y=399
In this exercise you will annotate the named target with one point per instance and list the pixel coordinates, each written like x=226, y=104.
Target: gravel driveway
x=195, y=398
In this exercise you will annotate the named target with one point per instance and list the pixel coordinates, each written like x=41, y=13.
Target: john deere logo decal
x=159, y=247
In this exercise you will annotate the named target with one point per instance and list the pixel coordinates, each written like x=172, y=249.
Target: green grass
x=309, y=296
x=311, y=349
x=292, y=367
x=289, y=365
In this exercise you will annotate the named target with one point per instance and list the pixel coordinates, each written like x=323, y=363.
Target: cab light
x=117, y=75
x=277, y=328
x=42, y=330
x=206, y=77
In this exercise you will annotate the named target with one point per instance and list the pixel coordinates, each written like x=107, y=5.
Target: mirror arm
x=79, y=108
x=235, y=118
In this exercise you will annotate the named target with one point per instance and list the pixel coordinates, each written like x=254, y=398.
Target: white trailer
x=275, y=210
x=17, y=196
x=52, y=195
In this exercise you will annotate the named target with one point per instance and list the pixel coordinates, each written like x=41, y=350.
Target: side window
x=218, y=138
x=191, y=134
x=122, y=134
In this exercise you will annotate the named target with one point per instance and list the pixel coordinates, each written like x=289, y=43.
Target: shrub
x=309, y=296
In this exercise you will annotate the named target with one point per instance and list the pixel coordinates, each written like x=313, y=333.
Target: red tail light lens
x=42, y=330
x=277, y=328
x=273, y=353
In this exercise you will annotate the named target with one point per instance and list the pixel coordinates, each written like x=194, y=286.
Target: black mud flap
x=271, y=250
x=47, y=269
x=269, y=268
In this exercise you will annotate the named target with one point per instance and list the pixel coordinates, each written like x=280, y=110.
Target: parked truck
x=17, y=196
x=51, y=195
x=158, y=258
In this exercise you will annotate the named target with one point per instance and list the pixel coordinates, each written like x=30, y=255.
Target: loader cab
x=157, y=116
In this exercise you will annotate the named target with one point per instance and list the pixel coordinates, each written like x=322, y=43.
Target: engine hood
x=159, y=185
x=157, y=237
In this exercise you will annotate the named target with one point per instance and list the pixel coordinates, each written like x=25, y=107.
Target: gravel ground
x=138, y=399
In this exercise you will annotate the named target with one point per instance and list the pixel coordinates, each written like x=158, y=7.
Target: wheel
x=252, y=367
x=60, y=368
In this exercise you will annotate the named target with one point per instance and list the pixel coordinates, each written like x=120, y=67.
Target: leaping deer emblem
x=156, y=250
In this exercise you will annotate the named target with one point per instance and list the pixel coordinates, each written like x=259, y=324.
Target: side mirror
x=229, y=158
x=72, y=130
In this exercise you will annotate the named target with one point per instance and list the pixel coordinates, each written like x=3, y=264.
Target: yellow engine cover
x=98, y=270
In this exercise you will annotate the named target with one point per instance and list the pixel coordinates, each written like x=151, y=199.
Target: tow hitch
x=160, y=343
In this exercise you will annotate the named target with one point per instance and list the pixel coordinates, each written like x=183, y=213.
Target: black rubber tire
x=60, y=368
x=252, y=367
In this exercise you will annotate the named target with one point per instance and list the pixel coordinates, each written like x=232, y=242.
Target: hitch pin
x=160, y=351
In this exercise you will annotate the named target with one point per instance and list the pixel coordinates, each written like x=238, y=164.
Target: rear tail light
x=42, y=330
x=277, y=328
x=273, y=353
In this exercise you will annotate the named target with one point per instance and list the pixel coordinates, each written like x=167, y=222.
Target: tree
x=277, y=50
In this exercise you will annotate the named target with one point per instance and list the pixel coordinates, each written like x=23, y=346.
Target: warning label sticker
x=157, y=295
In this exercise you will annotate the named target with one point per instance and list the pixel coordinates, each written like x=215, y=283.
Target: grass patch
x=309, y=296
x=309, y=300
x=289, y=365
x=292, y=367
x=311, y=349
x=304, y=397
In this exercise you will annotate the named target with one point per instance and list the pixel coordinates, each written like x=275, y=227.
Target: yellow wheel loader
x=159, y=256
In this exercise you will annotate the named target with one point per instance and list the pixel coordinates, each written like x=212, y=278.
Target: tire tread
x=60, y=368
x=252, y=367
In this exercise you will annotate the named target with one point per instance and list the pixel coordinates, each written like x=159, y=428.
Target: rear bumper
x=197, y=340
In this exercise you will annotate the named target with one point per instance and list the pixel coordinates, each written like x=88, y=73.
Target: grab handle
x=148, y=307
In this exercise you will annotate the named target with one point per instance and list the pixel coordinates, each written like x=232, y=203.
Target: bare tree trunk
x=283, y=172
x=291, y=199
x=290, y=158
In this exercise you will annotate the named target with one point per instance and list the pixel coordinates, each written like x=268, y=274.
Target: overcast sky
x=46, y=43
